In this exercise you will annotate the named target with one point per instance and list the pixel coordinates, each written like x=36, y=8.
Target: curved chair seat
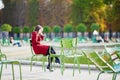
x=102, y=64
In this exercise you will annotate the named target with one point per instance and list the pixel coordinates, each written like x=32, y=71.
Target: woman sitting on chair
x=37, y=36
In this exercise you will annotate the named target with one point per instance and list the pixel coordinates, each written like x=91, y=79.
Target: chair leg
x=62, y=65
x=13, y=72
x=78, y=65
x=88, y=66
x=99, y=75
x=43, y=63
x=6, y=59
x=74, y=67
x=1, y=71
x=31, y=63
x=54, y=63
x=75, y=60
x=49, y=61
x=62, y=69
x=114, y=76
x=20, y=71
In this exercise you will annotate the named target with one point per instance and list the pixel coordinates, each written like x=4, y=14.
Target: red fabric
x=37, y=46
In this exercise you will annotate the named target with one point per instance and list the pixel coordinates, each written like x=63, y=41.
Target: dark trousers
x=51, y=51
x=17, y=43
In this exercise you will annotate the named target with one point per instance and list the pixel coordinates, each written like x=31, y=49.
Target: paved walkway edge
x=36, y=63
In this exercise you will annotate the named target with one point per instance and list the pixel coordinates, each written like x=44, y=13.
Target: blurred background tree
x=56, y=30
x=16, y=30
x=62, y=12
x=81, y=28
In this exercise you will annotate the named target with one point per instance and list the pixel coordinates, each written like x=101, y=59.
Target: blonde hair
x=38, y=27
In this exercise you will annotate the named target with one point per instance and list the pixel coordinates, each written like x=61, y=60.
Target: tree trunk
x=110, y=34
x=117, y=34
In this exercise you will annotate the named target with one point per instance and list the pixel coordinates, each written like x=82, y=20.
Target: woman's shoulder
x=34, y=32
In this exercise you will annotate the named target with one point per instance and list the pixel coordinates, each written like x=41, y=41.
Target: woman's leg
x=56, y=58
x=19, y=45
x=14, y=44
x=52, y=51
x=49, y=60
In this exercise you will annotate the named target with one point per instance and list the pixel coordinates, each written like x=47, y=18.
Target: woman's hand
x=42, y=34
x=41, y=31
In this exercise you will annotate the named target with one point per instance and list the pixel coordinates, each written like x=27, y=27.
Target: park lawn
x=82, y=60
x=70, y=60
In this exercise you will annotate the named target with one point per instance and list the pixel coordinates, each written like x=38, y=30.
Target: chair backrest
x=0, y=51
x=30, y=41
x=68, y=45
x=74, y=42
x=114, y=53
x=0, y=54
x=97, y=60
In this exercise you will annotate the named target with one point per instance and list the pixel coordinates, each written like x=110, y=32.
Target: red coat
x=37, y=46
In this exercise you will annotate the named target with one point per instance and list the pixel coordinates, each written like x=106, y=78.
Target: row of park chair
x=104, y=61
x=4, y=60
x=68, y=49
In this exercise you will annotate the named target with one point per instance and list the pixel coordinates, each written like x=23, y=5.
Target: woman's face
x=40, y=30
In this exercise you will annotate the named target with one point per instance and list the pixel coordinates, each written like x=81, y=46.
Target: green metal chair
x=47, y=39
x=35, y=56
x=56, y=39
x=53, y=56
x=114, y=52
x=5, y=61
x=68, y=49
x=0, y=41
x=82, y=39
x=26, y=39
x=5, y=42
x=3, y=55
x=88, y=61
x=102, y=64
x=75, y=55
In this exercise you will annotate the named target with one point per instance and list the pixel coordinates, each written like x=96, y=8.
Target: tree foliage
x=56, y=29
x=81, y=28
x=47, y=29
x=88, y=11
x=94, y=26
x=6, y=27
x=26, y=29
x=54, y=12
x=61, y=12
x=68, y=28
x=16, y=29
x=33, y=12
x=116, y=16
x=108, y=2
x=32, y=29
x=80, y=10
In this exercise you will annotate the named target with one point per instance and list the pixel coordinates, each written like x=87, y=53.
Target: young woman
x=14, y=42
x=37, y=37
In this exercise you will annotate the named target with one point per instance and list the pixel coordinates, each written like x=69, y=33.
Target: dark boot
x=48, y=67
x=57, y=60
